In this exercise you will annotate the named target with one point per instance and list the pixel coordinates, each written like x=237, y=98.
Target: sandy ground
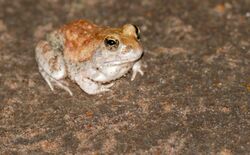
x=193, y=99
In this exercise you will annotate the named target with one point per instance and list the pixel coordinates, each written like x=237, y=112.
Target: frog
x=91, y=56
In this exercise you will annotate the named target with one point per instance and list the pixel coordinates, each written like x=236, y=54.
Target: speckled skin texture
x=89, y=55
x=192, y=100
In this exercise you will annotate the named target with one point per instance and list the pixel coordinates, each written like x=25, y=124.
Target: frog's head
x=119, y=46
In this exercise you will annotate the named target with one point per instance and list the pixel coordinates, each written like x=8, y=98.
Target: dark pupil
x=110, y=42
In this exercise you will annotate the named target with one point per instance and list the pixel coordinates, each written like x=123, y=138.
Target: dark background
x=194, y=97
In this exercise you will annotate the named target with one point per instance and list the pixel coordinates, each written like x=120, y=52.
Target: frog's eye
x=137, y=31
x=111, y=43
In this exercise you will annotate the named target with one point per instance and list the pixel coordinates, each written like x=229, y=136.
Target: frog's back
x=79, y=37
x=79, y=27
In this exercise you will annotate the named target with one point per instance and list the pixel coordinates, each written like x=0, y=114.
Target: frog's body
x=89, y=55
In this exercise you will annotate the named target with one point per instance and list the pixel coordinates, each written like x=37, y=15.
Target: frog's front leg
x=136, y=68
x=92, y=87
x=51, y=65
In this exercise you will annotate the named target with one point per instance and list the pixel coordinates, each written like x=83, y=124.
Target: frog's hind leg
x=51, y=66
x=46, y=78
x=50, y=81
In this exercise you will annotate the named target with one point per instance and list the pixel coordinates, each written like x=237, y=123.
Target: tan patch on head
x=131, y=42
x=129, y=30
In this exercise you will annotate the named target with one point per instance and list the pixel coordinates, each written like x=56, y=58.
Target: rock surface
x=194, y=97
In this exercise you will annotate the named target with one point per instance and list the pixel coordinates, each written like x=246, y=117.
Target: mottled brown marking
x=46, y=48
x=53, y=63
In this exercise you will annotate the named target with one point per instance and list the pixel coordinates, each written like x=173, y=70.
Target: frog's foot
x=50, y=81
x=64, y=85
x=136, y=68
x=92, y=87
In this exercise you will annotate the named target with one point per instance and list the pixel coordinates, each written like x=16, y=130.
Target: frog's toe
x=136, y=68
x=141, y=72
x=63, y=85
x=104, y=88
x=109, y=85
x=47, y=78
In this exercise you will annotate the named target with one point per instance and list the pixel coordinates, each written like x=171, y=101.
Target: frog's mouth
x=120, y=62
x=125, y=59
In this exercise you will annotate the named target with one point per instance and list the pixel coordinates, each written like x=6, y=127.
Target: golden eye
x=137, y=31
x=111, y=43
